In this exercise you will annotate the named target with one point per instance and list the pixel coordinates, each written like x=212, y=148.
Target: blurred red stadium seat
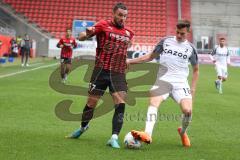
x=145, y=17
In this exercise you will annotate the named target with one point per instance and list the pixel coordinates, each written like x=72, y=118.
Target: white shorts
x=177, y=91
x=221, y=71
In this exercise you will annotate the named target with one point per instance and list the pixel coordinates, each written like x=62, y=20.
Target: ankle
x=114, y=136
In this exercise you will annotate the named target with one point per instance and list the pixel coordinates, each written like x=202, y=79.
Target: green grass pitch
x=30, y=130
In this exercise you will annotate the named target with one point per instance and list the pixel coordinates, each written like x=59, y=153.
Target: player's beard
x=68, y=35
x=118, y=25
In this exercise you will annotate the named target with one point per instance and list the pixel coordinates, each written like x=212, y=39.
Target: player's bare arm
x=86, y=35
x=130, y=43
x=142, y=59
x=195, y=76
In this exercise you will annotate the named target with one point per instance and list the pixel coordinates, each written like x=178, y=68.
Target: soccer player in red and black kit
x=113, y=40
x=66, y=44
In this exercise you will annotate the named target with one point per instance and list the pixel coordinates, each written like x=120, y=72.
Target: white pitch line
x=33, y=69
x=36, y=64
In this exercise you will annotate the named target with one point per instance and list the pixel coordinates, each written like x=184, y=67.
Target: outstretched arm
x=87, y=34
x=144, y=58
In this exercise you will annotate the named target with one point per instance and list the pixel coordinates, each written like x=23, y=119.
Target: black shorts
x=101, y=79
x=66, y=60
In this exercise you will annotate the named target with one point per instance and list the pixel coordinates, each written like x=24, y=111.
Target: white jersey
x=221, y=55
x=175, y=56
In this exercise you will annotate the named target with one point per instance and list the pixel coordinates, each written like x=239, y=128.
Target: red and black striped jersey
x=68, y=45
x=112, y=45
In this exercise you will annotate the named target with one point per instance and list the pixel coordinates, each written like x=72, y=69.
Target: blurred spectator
x=18, y=40
x=26, y=45
x=14, y=48
x=0, y=44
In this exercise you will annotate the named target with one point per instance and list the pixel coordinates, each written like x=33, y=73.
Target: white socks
x=151, y=119
x=114, y=136
x=219, y=83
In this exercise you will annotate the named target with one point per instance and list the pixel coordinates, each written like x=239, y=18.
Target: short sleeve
x=97, y=28
x=159, y=47
x=60, y=43
x=213, y=51
x=194, y=57
x=228, y=52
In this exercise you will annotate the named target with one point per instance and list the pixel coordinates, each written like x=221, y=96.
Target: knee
x=187, y=111
x=92, y=102
x=156, y=101
x=119, y=97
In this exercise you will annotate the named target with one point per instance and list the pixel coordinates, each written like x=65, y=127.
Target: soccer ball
x=131, y=142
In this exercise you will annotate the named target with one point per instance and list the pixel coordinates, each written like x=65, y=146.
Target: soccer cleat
x=63, y=81
x=141, y=136
x=22, y=65
x=113, y=143
x=27, y=65
x=76, y=134
x=65, y=76
x=184, y=138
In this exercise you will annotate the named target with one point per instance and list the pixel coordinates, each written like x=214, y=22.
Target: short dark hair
x=119, y=5
x=183, y=24
x=222, y=38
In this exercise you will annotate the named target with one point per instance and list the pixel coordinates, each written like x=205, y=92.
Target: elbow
x=150, y=59
x=196, y=70
x=196, y=73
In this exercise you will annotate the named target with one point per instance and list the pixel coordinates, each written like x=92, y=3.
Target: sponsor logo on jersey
x=119, y=37
x=222, y=55
x=174, y=53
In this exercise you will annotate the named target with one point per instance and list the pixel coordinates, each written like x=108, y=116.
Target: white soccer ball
x=131, y=142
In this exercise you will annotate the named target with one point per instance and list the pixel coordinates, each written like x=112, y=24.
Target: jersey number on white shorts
x=187, y=91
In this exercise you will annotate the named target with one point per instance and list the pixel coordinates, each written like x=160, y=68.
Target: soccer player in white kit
x=221, y=58
x=175, y=54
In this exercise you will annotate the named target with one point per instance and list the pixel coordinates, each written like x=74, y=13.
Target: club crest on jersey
x=127, y=33
x=110, y=27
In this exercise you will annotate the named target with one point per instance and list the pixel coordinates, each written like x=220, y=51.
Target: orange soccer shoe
x=184, y=138
x=141, y=136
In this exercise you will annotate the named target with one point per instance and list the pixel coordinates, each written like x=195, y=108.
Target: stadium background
x=46, y=21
